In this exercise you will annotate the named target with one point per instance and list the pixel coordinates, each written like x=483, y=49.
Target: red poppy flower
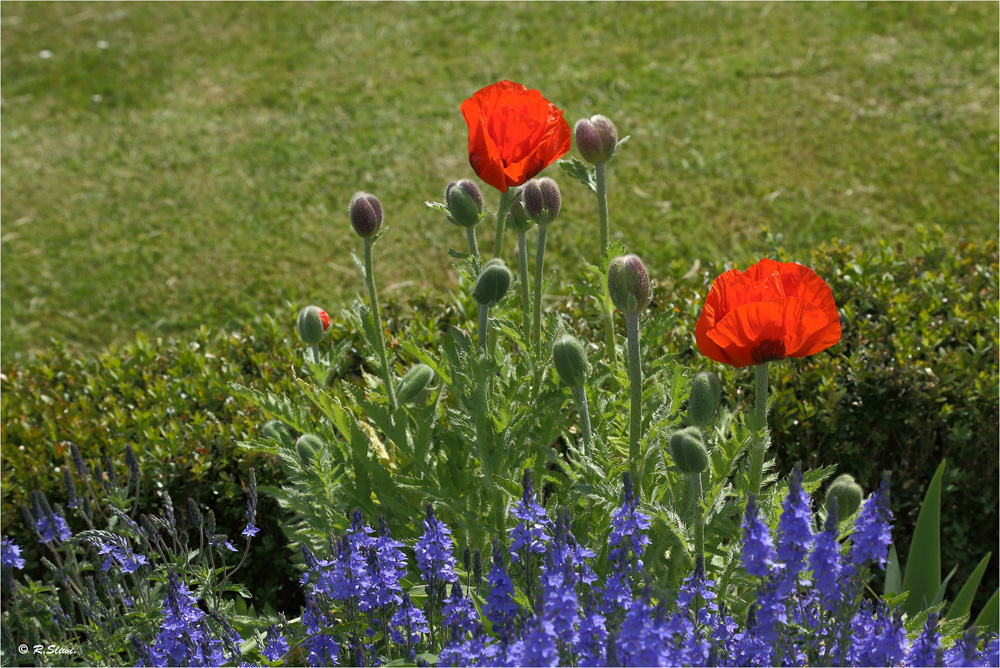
x=514, y=133
x=771, y=311
x=325, y=318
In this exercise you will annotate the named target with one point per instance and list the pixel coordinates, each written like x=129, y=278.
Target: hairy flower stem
x=522, y=269
x=506, y=201
x=607, y=310
x=759, y=443
x=635, y=381
x=536, y=327
x=390, y=388
x=470, y=233
x=484, y=326
x=699, y=520
x=580, y=397
x=315, y=352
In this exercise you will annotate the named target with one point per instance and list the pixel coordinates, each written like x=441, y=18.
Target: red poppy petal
x=817, y=330
x=746, y=327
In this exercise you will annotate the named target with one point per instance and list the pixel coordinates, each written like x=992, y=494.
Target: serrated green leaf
x=580, y=171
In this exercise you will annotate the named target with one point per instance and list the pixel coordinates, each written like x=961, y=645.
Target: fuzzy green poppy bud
x=848, y=494
x=518, y=219
x=706, y=393
x=542, y=200
x=313, y=323
x=493, y=282
x=628, y=283
x=307, y=446
x=688, y=450
x=277, y=431
x=414, y=383
x=570, y=360
x=465, y=203
x=366, y=214
x=596, y=138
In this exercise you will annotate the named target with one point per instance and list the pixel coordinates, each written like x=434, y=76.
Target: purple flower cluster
x=10, y=554
x=534, y=528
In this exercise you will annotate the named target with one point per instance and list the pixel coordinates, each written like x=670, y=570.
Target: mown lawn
x=175, y=164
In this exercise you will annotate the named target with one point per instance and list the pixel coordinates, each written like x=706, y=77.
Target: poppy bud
x=465, y=203
x=542, y=200
x=493, y=282
x=518, y=219
x=628, y=284
x=366, y=214
x=570, y=360
x=848, y=494
x=307, y=446
x=414, y=383
x=688, y=450
x=312, y=324
x=596, y=138
x=706, y=393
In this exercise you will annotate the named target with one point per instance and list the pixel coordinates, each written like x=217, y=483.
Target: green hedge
x=915, y=379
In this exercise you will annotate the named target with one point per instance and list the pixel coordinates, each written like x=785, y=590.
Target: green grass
x=211, y=180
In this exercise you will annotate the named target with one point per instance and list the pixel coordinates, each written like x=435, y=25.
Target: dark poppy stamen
x=768, y=350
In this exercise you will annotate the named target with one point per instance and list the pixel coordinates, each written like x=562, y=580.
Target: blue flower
x=275, y=645
x=184, y=638
x=759, y=556
x=386, y=565
x=795, y=535
x=924, y=649
x=873, y=528
x=559, y=602
x=322, y=650
x=434, y=550
x=628, y=527
x=539, y=647
x=592, y=634
x=534, y=530
x=412, y=621
x=10, y=553
x=617, y=594
x=500, y=609
x=459, y=612
x=825, y=560
x=964, y=651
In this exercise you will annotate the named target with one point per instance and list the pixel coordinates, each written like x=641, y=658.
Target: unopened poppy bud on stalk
x=414, y=383
x=596, y=138
x=628, y=284
x=706, y=393
x=313, y=324
x=493, y=282
x=518, y=219
x=848, y=494
x=307, y=446
x=465, y=203
x=366, y=214
x=688, y=450
x=570, y=360
x=542, y=200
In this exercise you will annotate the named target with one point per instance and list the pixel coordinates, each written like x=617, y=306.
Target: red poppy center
x=768, y=350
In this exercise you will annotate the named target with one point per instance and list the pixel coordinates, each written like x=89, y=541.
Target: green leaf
x=893, y=577
x=923, y=565
x=939, y=596
x=963, y=601
x=580, y=171
x=990, y=615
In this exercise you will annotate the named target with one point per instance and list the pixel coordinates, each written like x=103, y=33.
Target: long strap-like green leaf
x=923, y=565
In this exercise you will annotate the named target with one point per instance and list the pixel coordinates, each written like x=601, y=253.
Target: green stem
x=522, y=268
x=315, y=352
x=602, y=207
x=506, y=201
x=536, y=327
x=390, y=388
x=580, y=397
x=484, y=326
x=699, y=519
x=470, y=233
x=759, y=443
x=635, y=381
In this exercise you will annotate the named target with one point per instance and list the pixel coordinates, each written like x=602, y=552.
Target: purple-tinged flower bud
x=518, y=219
x=688, y=450
x=493, y=282
x=628, y=283
x=313, y=323
x=465, y=203
x=542, y=200
x=414, y=383
x=307, y=446
x=596, y=138
x=706, y=393
x=848, y=494
x=570, y=360
x=366, y=214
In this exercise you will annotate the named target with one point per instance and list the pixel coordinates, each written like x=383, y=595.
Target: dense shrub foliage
x=913, y=380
